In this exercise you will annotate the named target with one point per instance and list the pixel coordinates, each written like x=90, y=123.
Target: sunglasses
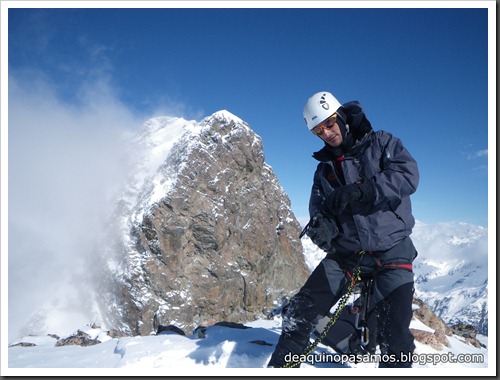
x=328, y=123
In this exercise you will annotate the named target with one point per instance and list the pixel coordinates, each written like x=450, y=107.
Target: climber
x=361, y=216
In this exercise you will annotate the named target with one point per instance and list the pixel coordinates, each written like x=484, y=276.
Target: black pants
x=391, y=300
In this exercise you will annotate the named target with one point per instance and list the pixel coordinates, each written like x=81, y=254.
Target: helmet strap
x=344, y=128
x=341, y=120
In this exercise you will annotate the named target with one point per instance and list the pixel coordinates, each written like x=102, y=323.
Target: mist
x=66, y=163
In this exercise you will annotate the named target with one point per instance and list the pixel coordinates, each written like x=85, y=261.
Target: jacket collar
x=329, y=153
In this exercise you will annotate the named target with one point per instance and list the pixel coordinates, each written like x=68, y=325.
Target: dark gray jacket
x=381, y=158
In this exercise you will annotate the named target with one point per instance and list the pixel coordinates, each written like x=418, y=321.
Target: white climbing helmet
x=320, y=107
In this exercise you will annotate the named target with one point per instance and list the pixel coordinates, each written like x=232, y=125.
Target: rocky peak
x=224, y=118
x=211, y=235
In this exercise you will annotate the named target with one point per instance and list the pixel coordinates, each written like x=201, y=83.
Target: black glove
x=338, y=200
x=321, y=231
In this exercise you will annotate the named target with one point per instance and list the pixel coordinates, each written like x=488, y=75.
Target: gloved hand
x=321, y=231
x=338, y=200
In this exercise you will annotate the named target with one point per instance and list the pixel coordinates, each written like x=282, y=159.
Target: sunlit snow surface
x=222, y=349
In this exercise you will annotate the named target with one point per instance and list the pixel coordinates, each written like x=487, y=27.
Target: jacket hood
x=359, y=125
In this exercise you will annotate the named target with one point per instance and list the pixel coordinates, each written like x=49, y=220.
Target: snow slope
x=223, y=351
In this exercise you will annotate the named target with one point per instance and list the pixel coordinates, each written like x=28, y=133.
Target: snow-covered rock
x=206, y=231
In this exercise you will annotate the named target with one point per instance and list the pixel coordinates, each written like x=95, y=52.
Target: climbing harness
x=355, y=279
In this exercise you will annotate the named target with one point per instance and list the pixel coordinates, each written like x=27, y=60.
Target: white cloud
x=452, y=242
x=477, y=154
x=65, y=162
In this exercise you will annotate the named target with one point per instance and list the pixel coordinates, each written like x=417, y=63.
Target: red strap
x=353, y=281
x=404, y=266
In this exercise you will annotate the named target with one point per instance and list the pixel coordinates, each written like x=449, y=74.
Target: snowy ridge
x=161, y=151
x=219, y=350
x=158, y=160
x=224, y=117
x=163, y=146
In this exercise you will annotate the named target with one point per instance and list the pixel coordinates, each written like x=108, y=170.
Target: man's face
x=329, y=131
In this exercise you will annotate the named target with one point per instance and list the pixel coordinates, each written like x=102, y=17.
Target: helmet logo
x=323, y=103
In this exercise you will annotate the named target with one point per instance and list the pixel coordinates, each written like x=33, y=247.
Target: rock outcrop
x=437, y=339
x=221, y=244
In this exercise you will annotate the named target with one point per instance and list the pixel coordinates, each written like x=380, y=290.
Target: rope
x=341, y=305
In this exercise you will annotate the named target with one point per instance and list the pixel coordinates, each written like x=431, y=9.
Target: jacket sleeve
x=399, y=175
x=317, y=196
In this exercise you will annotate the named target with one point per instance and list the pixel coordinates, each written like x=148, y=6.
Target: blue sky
x=420, y=73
